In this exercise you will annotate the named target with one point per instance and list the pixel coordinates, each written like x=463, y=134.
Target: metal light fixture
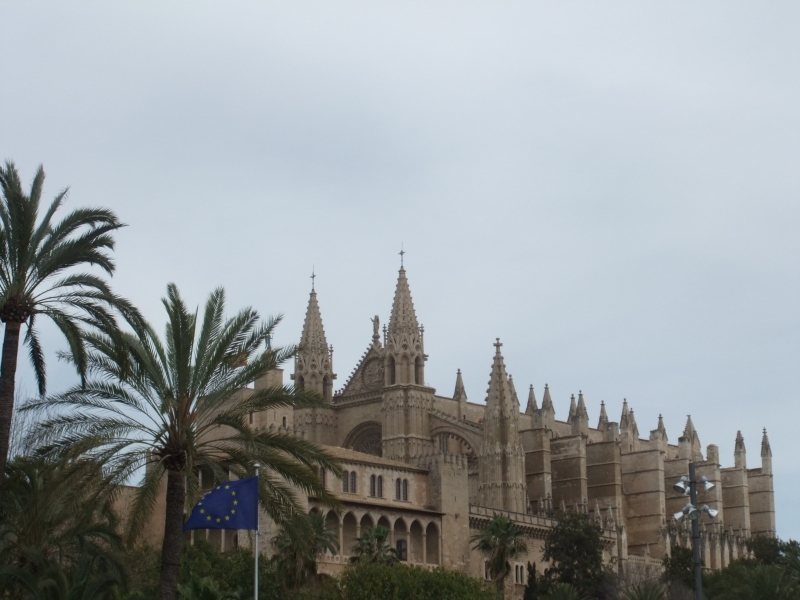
x=707, y=484
x=682, y=486
x=690, y=510
x=710, y=511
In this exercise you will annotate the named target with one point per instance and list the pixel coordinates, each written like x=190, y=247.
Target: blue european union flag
x=230, y=505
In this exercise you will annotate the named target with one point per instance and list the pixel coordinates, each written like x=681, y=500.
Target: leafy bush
x=575, y=552
x=748, y=581
x=564, y=591
x=368, y=581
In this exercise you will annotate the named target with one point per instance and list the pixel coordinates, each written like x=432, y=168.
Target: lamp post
x=688, y=487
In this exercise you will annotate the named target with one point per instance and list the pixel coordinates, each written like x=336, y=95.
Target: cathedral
x=433, y=469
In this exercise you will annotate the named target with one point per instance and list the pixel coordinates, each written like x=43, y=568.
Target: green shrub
x=370, y=581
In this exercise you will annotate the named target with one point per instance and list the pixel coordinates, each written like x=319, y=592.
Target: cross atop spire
x=401, y=253
x=313, y=277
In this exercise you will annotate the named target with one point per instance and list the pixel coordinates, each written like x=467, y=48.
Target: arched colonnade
x=417, y=539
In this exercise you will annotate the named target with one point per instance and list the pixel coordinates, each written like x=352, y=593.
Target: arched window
x=402, y=550
x=443, y=445
x=397, y=489
x=392, y=371
x=380, y=486
x=372, y=485
x=300, y=383
x=345, y=482
x=418, y=371
x=322, y=475
x=352, y=482
x=405, y=489
x=284, y=422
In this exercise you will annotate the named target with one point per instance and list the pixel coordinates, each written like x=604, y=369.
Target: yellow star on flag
x=202, y=511
x=233, y=511
x=227, y=487
x=234, y=493
x=235, y=502
x=218, y=520
x=227, y=518
x=208, y=518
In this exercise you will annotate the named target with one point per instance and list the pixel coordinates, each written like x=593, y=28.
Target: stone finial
x=513, y=391
x=691, y=433
x=602, y=423
x=766, y=451
x=624, y=418
x=460, y=392
x=573, y=408
x=532, y=406
x=582, y=406
x=547, y=402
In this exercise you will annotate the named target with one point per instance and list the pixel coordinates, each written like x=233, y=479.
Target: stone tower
x=406, y=400
x=313, y=371
x=501, y=459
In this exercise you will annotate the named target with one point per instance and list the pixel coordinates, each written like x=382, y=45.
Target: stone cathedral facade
x=434, y=468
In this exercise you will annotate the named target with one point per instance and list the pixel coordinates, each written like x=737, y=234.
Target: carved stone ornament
x=372, y=374
x=370, y=444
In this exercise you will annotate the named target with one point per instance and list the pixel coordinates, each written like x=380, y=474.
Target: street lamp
x=688, y=487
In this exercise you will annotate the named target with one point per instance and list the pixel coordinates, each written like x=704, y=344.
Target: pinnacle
x=501, y=395
x=460, y=393
x=547, y=403
x=765, y=449
x=313, y=338
x=661, y=424
x=603, y=420
x=572, y=408
x=582, y=406
x=532, y=406
x=513, y=390
x=739, y=442
x=403, y=316
x=689, y=430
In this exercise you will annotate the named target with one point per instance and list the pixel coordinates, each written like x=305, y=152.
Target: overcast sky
x=611, y=189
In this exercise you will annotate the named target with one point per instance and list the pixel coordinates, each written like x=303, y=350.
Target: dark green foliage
x=500, y=542
x=648, y=590
x=231, y=572
x=372, y=547
x=298, y=543
x=49, y=579
x=371, y=581
x=679, y=567
x=575, y=552
x=532, y=587
x=204, y=588
x=746, y=580
x=564, y=591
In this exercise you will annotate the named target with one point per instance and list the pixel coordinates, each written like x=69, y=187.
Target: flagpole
x=256, y=545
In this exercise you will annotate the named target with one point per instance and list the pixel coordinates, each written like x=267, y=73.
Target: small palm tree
x=57, y=511
x=564, y=591
x=501, y=542
x=298, y=543
x=204, y=588
x=178, y=405
x=648, y=590
x=372, y=547
x=38, y=258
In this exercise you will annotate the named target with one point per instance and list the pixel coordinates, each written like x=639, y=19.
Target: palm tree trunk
x=8, y=374
x=173, y=536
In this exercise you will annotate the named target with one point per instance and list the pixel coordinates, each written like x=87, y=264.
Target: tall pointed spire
x=623, y=420
x=313, y=337
x=460, y=392
x=765, y=449
x=547, y=402
x=532, y=406
x=694, y=440
x=403, y=318
x=602, y=422
x=501, y=459
x=739, y=442
x=513, y=391
x=739, y=452
x=573, y=408
x=582, y=406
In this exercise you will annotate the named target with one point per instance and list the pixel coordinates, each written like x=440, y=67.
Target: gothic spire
x=547, y=403
x=602, y=422
x=739, y=447
x=403, y=317
x=739, y=452
x=460, y=393
x=766, y=451
x=623, y=420
x=513, y=391
x=582, y=406
x=501, y=391
x=313, y=338
x=689, y=430
x=532, y=406
x=572, y=408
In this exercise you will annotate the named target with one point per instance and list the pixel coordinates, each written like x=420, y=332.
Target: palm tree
x=372, y=547
x=297, y=544
x=501, y=541
x=38, y=258
x=564, y=591
x=647, y=590
x=173, y=407
x=57, y=511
